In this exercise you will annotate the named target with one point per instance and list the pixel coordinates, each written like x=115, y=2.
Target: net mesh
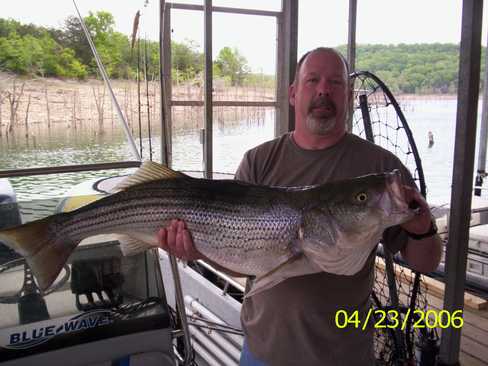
x=392, y=133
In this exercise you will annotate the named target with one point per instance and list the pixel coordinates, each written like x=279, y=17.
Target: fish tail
x=44, y=252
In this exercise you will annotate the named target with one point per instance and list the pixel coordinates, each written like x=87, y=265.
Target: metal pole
x=139, y=121
x=351, y=53
x=180, y=306
x=68, y=169
x=287, y=27
x=351, y=35
x=164, y=66
x=483, y=134
x=208, y=100
x=128, y=134
x=462, y=182
x=164, y=49
x=148, y=106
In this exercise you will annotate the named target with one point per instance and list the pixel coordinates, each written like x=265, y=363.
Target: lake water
x=63, y=146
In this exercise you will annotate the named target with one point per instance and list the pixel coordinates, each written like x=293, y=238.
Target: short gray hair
x=321, y=49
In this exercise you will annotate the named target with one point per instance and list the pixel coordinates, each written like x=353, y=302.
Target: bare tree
x=48, y=111
x=75, y=95
x=2, y=97
x=27, y=117
x=126, y=103
x=112, y=113
x=65, y=107
x=100, y=103
x=14, y=101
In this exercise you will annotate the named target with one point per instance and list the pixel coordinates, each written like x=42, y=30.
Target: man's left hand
x=421, y=222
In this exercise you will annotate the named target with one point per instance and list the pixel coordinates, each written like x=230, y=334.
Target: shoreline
x=426, y=96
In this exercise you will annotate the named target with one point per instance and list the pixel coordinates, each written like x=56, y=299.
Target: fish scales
x=241, y=231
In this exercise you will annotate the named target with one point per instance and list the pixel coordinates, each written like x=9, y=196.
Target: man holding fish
x=292, y=322
x=302, y=219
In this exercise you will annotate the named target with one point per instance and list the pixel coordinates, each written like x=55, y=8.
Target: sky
x=320, y=22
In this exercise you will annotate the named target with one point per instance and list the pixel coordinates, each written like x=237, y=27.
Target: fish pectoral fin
x=136, y=243
x=148, y=172
x=298, y=265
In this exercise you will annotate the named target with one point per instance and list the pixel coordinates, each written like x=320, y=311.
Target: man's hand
x=176, y=240
x=420, y=223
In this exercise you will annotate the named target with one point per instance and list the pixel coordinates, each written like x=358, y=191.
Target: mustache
x=322, y=102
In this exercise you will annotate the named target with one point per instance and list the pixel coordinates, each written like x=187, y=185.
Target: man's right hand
x=176, y=240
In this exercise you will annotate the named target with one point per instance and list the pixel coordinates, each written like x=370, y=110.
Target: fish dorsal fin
x=148, y=172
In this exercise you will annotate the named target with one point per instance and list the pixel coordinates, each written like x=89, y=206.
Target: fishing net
x=378, y=118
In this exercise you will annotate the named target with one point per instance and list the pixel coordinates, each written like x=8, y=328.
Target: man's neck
x=309, y=141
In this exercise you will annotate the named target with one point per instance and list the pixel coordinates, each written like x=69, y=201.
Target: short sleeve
x=244, y=171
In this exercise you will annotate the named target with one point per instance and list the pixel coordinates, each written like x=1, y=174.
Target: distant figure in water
x=431, y=139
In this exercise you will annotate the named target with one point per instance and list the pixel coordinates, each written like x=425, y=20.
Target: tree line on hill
x=28, y=49
x=413, y=68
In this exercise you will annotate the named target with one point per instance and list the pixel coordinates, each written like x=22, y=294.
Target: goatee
x=320, y=126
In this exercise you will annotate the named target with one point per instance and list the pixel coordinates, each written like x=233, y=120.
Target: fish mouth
x=393, y=202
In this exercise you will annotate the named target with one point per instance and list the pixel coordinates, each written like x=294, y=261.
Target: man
x=293, y=323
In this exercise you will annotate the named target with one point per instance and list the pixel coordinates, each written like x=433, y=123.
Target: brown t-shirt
x=293, y=323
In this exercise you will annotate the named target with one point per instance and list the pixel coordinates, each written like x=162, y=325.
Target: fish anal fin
x=136, y=243
x=148, y=172
x=298, y=265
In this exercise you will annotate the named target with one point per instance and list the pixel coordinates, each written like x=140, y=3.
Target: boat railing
x=12, y=173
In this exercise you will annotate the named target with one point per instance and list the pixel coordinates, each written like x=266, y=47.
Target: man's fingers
x=171, y=239
x=421, y=221
x=189, y=247
x=161, y=235
x=415, y=200
x=177, y=240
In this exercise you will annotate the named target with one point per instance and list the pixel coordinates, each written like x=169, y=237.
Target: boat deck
x=474, y=336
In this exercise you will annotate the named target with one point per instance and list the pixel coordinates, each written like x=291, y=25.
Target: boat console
x=103, y=309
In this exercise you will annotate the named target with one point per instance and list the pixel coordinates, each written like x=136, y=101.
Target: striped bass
x=271, y=233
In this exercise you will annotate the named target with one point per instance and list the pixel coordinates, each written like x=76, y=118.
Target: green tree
x=232, y=65
x=186, y=61
x=72, y=36
x=112, y=46
x=38, y=56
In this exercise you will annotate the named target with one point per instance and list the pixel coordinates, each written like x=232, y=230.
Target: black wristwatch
x=432, y=231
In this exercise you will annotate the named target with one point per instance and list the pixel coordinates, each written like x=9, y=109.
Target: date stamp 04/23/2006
x=393, y=319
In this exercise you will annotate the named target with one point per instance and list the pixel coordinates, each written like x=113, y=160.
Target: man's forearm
x=423, y=255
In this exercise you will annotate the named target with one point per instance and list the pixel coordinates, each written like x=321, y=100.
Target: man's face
x=321, y=92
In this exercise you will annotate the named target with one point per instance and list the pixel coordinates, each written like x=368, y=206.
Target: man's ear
x=291, y=94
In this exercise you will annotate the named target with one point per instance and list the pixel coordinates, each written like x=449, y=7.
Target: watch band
x=432, y=231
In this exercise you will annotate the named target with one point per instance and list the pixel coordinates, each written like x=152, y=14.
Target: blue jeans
x=247, y=358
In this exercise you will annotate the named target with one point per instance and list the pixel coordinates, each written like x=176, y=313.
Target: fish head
x=369, y=204
x=351, y=215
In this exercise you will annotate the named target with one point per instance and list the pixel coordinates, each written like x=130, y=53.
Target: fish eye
x=361, y=197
